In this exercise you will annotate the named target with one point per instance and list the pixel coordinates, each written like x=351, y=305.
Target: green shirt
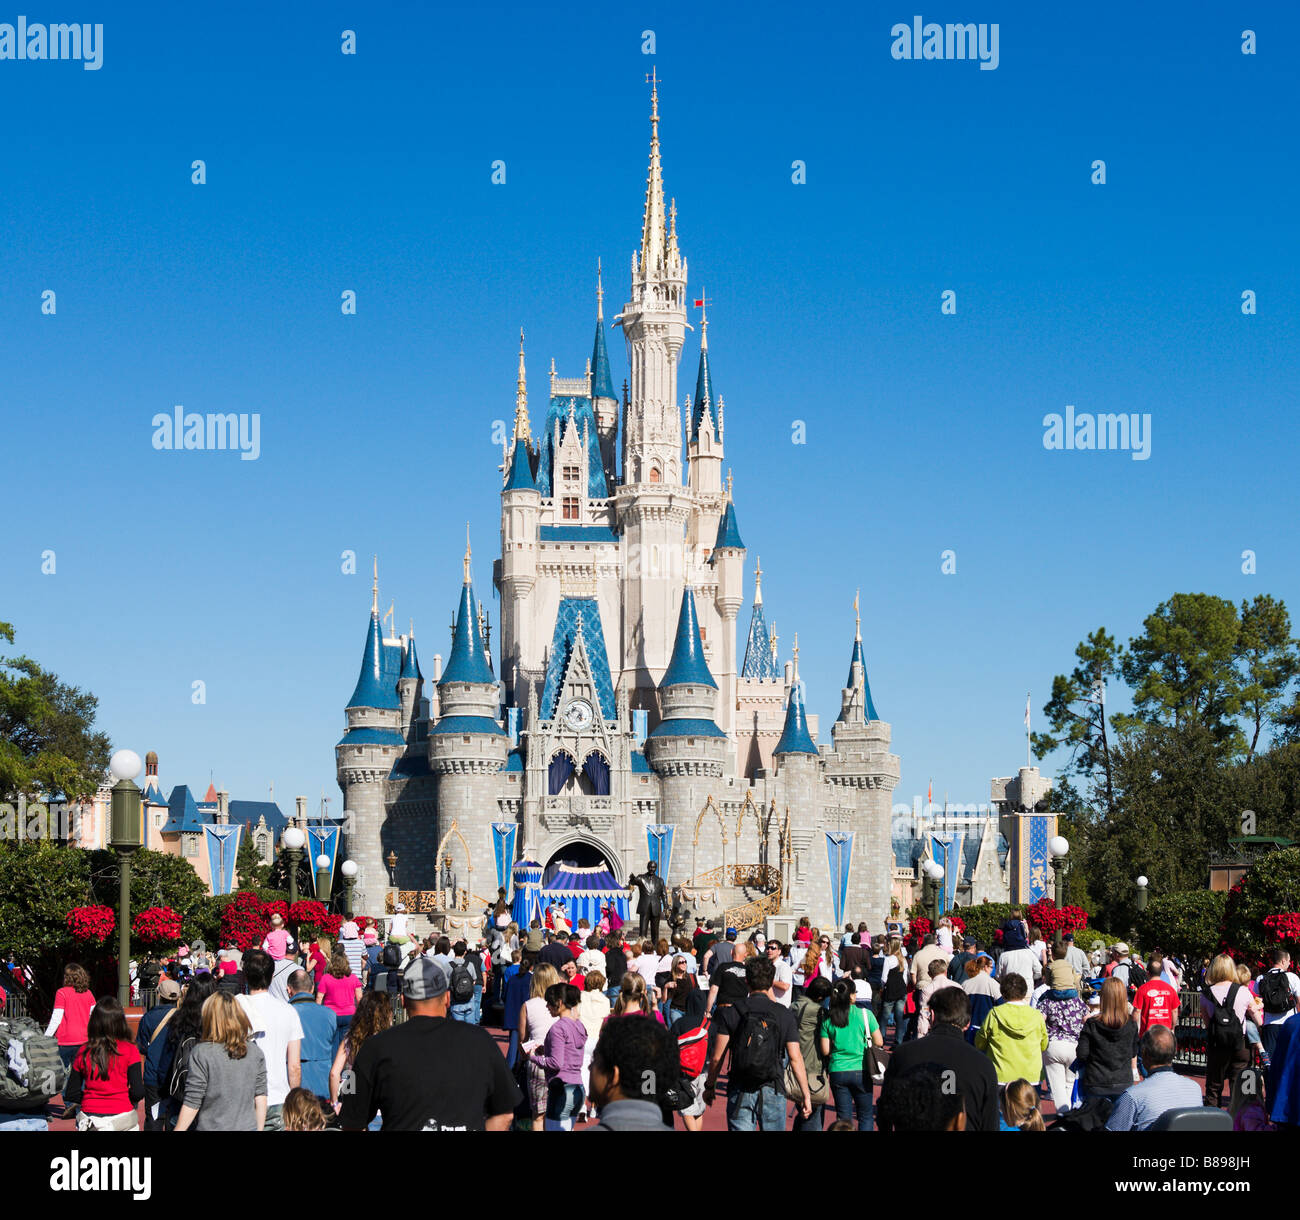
x=849, y=1042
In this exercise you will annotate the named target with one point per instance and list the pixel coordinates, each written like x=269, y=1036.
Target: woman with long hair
x=845, y=1035
x=183, y=1034
x=374, y=1014
x=809, y=1011
x=677, y=990
x=893, y=987
x=615, y=964
x=302, y=1111
x=107, y=1079
x=339, y=991
x=535, y=1021
x=1226, y=1064
x=1019, y=1110
x=225, y=1084
x=1108, y=1045
x=73, y=1003
x=634, y=999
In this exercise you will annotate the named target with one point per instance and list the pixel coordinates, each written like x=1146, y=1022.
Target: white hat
x=401, y=908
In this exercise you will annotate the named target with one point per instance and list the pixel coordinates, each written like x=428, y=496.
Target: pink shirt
x=276, y=942
x=76, y=1007
x=1245, y=1003
x=340, y=994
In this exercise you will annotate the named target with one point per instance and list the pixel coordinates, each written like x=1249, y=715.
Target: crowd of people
x=382, y=1031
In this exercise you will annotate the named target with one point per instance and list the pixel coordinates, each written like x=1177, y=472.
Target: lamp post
x=934, y=874
x=1060, y=849
x=349, y=870
x=292, y=841
x=323, y=878
x=125, y=832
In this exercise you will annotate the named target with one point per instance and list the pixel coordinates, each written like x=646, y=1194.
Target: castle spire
x=795, y=738
x=522, y=431
x=758, y=581
x=858, y=666
x=688, y=666
x=760, y=649
x=602, y=383
x=467, y=553
x=653, y=230
x=468, y=660
x=374, y=591
x=704, y=399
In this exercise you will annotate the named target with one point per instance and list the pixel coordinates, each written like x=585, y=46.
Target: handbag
x=819, y=1085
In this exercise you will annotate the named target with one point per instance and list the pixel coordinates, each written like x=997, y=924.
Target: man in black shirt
x=960, y=1065
x=729, y=984
x=957, y=966
x=556, y=953
x=429, y=1073
x=762, y=1034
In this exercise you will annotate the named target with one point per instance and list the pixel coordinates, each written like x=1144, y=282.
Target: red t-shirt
x=576, y=947
x=1156, y=1003
x=111, y=1095
x=76, y=1007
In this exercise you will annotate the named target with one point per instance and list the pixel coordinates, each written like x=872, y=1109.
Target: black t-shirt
x=731, y=1020
x=430, y=1074
x=555, y=954
x=615, y=967
x=730, y=982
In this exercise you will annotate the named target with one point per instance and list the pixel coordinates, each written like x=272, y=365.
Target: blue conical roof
x=759, y=661
x=602, y=382
x=858, y=657
x=795, y=738
x=467, y=662
x=410, y=662
x=521, y=469
x=688, y=666
x=372, y=690
x=728, y=530
x=704, y=396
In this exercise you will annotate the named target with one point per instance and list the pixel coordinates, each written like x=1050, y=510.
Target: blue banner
x=323, y=842
x=659, y=842
x=503, y=850
x=839, y=859
x=223, y=847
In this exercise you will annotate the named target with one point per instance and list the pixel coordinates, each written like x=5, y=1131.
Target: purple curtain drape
x=561, y=769
x=596, y=769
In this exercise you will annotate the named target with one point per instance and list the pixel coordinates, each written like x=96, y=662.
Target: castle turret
x=651, y=507
x=467, y=743
x=517, y=574
x=366, y=753
x=728, y=560
x=603, y=395
x=704, y=451
x=856, y=706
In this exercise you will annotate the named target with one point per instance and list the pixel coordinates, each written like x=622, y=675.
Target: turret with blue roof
x=687, y=692
x=760, y=657
x=704, y=401
x=856, y=703
x=519, y=471
x=795, y=737
x=728, y=531
x=374, y=711
x=467, y=691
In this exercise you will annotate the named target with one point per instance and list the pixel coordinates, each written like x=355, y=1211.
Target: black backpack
x=895, y=985
x=462, y=983
x=1137, y=977
x=180, y=1073
x=757, y=1053
x=1223, y=1030
x=1275, y=992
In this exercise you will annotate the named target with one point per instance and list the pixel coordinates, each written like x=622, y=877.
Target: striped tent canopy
x=526, y=905
x=584, y=891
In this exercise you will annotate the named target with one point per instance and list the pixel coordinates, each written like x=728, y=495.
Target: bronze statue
x=654, y=900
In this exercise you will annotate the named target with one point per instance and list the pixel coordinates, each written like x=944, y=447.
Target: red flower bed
x=921, y=927
x=92, y=924
x=1049, y=919
x=157, y=926
x=1284, y=927
x=245, y=921
x=310, y=918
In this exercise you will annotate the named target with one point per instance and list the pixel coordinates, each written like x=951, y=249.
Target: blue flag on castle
x=946, y=850
x=839, y=859
x=659, y=842
x=503, y=850
x=323, y=842
x=223, y=846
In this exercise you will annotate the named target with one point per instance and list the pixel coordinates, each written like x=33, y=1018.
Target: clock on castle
x=616, y=720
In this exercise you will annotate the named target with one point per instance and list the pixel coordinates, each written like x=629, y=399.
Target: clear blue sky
x=924, y=432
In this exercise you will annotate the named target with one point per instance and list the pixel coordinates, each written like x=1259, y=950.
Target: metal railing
x=1190, y=1032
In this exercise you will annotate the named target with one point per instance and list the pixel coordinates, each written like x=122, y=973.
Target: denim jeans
x=512, y=1051
x=852, y=1093
x=763, y=1110
x=478, y=1005
x=816, y=1121
x=564, y=1103
x=463, y=1013
x=893, y=1010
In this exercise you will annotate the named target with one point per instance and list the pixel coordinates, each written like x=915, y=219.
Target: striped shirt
x=1138, y=1107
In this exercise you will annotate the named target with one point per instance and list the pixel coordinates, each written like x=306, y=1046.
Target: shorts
x=694, y=1087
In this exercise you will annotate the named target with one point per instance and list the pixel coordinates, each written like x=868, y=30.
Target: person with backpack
x=691, y=1030
x=226, y=1081
x=893, y=988
x=1227, y=1006
x=1108, y=1045
x=846, y=1032
x=761, y=1035
x=106, y=1082
x=1279, y=994
x=151, y=1041
x=178, y=1040
x=461, y=983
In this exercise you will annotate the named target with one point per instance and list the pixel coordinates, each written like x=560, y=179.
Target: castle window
x=572, y=474
x=465, y=740
x=570, y=508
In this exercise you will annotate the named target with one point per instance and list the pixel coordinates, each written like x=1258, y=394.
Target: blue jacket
x=317, y=1051
x=156, y=1052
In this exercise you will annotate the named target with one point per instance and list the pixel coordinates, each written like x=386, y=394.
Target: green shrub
x=1271, y=887
x=1185, y=923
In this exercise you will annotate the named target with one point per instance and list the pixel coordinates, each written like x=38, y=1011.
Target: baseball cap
x=732, y=933
x=968, y=942
x=1120, y=947
x=423, y=979
x=1068, y=936
x=168, y=989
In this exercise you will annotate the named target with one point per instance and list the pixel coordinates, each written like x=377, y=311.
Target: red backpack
x=693, y=1047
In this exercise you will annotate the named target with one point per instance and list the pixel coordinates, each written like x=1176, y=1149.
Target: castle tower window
x=570, y=508
x=571, y=474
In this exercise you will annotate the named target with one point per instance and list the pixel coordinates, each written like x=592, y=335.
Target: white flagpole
x=1027, y=731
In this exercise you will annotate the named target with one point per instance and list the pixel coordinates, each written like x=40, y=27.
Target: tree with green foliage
x=157, y=879
x=1077, y=713
x=1184, y=923
x=1271, y=887
x=48, y=744
x=250, y=872
x=1269, y=662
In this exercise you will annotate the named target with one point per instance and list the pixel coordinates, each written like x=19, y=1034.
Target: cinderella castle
x=617, y=720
